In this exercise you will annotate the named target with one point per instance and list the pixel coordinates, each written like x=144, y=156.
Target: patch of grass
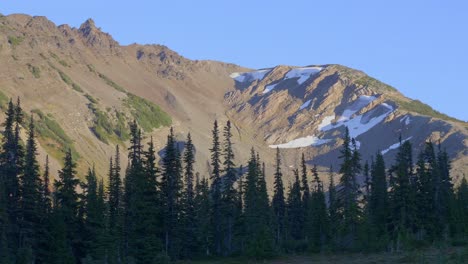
x=3, y=101
x=52, y=135
x=112, y=83
x=66, y=79
x=105, y=128
x=15, y=41
x=43, y=56
x=53, y=55
x=64, y=63
x=77, y=88
x=146, y=113
x=419, y=107
x=36, y=72
x=91, y=99
x=374, y=83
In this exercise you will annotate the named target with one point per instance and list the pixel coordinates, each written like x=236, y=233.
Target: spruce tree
x=189, y=241
x=278, y=203
x=203, y=223
x=229, y=197
x=348, y=198
x=216, y=216
x=318, y=214
x=31, y=188
x=332, y=210
x=115, y=209
x=66, y=207
x=295, y=210
x=378, y=200
x=11, y=158
x=402, y=196
x=171, y=190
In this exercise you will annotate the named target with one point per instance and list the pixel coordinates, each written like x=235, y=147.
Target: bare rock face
x=94, y=38
x=69, y=74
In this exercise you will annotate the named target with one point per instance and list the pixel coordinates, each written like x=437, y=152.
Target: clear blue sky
x=418, y=46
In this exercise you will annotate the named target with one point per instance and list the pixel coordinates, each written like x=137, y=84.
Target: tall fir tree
x=348, y=197
x=216, y=214
x=203, y=223
x=229, y=208
x=279, y=203
x=66, y=207
x=402, y=196
x=189, y=241
x=378, y=201
x=318, y=214
x=171, y=191
x=295, y=210
x=31, y=187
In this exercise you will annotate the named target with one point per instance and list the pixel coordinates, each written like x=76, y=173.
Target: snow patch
x=306, y=104
x=394, y=146
x=302, y=142
x=249, y=76
x=326, y=122
x=406, y=119
x=269, y=88
x=302, y=73
x=357, y=105
x=356, y=125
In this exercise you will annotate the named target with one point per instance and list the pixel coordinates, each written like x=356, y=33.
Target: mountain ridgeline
x=85, y=88
x=159, y=214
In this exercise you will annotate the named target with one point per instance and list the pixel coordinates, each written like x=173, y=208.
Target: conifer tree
x=216, y=190
x=332, y=209
x=348, y=200
x=279, y=203
x=115, y=209
x=11, y=157
x=31, y=188
x=402, y=195
x=318, y=214
x=378, y=200
x=203, y=223
x=190, y=243
x=171, y=188
x=295, y=209
x=229, y=197
x=66, y=207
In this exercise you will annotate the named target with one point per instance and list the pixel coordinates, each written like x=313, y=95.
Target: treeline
x=157, y=214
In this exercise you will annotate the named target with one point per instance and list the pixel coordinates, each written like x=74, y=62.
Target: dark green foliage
x=202, y=203
x=378, y=203
x=279, y=204
x=216, y=190
x=295, y=210
x=171, y=191
x=348, y=208
x=67, y=205
x=229, y=200
x=190, y=244
x=31, y=190
x=260, y=242
x=319, y=221
x=158, y=217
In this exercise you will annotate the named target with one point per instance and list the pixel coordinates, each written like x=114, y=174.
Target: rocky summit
x=83, y=88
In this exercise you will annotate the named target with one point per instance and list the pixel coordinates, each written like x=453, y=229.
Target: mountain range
x=83, y=88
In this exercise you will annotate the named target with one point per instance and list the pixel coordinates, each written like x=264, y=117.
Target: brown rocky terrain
x=84, y=87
